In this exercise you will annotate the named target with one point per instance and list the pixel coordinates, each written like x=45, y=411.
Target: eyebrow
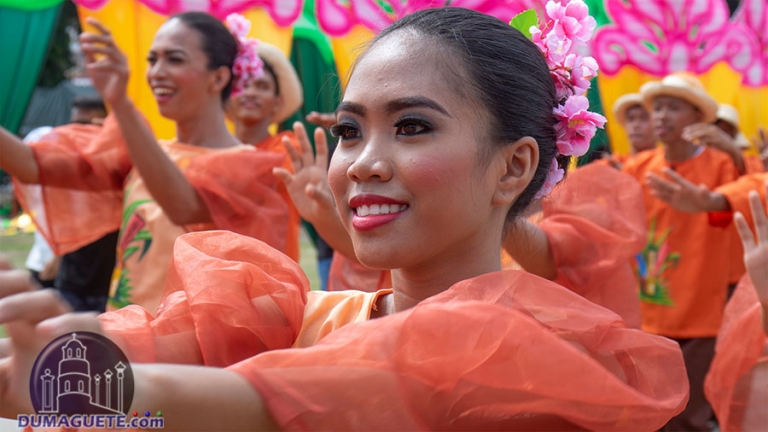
x=395, y=106
x=169, y=51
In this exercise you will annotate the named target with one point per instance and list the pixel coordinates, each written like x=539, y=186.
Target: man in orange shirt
x=683, y=270
x=636, y=121
x=270, y=99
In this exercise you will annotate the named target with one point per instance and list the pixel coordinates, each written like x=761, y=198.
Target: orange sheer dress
x=88, y=188
x=500, y=351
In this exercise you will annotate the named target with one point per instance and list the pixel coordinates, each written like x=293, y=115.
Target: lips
x=162, y=93
x=372, y=211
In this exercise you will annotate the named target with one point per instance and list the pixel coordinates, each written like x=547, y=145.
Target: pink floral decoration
x=753, y=14
x=337, y=17
x=577, y=125
x=665, y=36
x=283, y=12
x=554, y=176
x=248, y=65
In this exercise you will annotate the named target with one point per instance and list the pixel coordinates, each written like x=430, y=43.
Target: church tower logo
x=81, y=373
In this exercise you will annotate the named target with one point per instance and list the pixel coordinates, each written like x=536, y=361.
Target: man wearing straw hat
x=270, y=99
x=683, y=270
x=636, y=121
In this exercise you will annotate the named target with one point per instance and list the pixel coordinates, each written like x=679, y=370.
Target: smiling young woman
x=449, y=155
x=97, y=180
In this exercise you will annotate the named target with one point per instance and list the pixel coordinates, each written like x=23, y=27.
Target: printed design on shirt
x=134, y=238
x=652, y=263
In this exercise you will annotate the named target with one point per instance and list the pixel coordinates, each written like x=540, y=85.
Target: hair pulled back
x=219, y=45
x=505, y=72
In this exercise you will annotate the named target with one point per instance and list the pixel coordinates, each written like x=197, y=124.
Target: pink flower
x=238, y=25
x=554, y=175
x=572, y=20
x=582, y=70
x=576, y=126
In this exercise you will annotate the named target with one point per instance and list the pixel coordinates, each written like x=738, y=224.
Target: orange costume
x=737, y=382
x=683, y=272
x=503, y=350
x=88, y=188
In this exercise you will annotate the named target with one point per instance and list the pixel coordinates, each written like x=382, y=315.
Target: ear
x=516, y=164
x=220, y=78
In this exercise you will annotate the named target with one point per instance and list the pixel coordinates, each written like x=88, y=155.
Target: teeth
x=380, y=209
x=163, y=91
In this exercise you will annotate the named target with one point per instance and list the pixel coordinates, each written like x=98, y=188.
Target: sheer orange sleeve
x=79, y=198
x=737, y=382
x=227, y=298
x=594, y=233
x=502, y=351
x=242, y=194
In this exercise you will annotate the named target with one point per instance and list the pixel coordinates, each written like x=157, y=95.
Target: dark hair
x=271, y=71
x=505, y=72
x=218, y=43
x=89, y=103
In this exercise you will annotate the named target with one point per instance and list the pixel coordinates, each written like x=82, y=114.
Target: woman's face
x=406, y=175
x=178, y=72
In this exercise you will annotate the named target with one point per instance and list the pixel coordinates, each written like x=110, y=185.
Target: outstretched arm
x=309, y=190
x=756, y=250
x=17, y=158
x=684, y=195
x=165, y=181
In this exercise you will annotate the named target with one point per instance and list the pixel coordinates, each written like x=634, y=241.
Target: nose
x=157, y=70
x=373, y=162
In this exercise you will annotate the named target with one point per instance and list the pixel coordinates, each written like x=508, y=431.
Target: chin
x=379, y=258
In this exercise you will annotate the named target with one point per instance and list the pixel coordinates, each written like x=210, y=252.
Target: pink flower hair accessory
x=248, y=65
x=564, y=30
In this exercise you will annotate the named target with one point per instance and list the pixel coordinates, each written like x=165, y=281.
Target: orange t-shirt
x=683, y=270
x=275, y=144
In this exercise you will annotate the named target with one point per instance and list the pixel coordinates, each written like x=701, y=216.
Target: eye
x=151, y=60
x=175, y=60
x=412, y=126
x=345, y=132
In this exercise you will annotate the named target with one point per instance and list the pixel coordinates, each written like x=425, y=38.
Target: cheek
x=437, y=171
x=337, y=173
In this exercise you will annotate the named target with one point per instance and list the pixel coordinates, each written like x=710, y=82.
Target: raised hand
x=756, y=248
x=308, y=184
x=106, y=64
x=32, y=319
x=680, y=193
x=710, y=135
x=324, y=120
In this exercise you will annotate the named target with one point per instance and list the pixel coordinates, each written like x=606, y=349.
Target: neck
x=679, y=151
x=414, y=284
x=252, y=133
x=206, y=129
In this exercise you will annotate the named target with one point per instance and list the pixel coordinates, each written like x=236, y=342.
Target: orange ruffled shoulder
x=502, y=351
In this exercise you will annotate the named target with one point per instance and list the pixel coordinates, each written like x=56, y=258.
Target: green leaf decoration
x=524, y=21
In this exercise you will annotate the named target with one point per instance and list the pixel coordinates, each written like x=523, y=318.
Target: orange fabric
x=275, y=144
x=753, y=164
x=595, y=234
x=683, y=270
x=737, y=382
x=227, y=298
x=88, y=188
x=346, y=274
x=501, y=350
x=737, y=192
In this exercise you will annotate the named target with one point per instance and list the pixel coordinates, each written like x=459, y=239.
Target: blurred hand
x=32, y=319
x=711, y=136
x=679, y=192
x=324, y=120
x=107, y=66
x=308, y=184
x=761, y=140
x=50, y=269
x=756, y=249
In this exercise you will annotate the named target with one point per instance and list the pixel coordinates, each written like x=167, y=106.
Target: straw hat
x=729, y=114
x=624, y=103
x=287, y=79
x=683, y=86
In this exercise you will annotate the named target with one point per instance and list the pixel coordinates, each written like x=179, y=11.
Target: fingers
x=5, y=262
x=758, y=215
x=296, y=162
x=283, y=175
x=745, y=234
x=677, y=178
x=32, y=306
x=99, y=26
x=70, y=322
x=320, y=195
x=5, y=348
x=13, y=282
x=304, y=146
x=321, y=148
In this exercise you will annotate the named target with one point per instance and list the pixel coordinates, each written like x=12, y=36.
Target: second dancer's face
x=178, y=72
